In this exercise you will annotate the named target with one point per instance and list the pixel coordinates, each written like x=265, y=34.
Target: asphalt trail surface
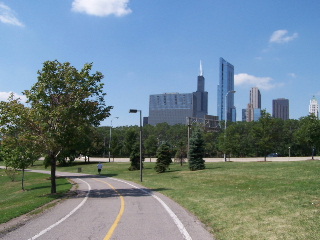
x=110, y=208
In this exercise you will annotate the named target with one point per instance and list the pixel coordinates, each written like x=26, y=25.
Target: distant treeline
x=241, y=139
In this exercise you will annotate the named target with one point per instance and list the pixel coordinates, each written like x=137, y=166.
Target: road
x=109, y=208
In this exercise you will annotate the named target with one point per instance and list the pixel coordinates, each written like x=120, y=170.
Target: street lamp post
x=225, y=119
x=110, y=137
x=135, y=111
x=289, y=153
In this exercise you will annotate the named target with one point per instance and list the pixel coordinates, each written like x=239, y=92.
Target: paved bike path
x=110, y=208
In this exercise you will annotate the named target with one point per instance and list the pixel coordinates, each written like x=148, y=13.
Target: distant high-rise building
x=201, y=96
x=255, y=97
x=175, y=108
x=256, y=114
x=280, y=108
x=244, y=115
x=172, y=108
x=225, y=103
x=314, y=107
x=254, y=107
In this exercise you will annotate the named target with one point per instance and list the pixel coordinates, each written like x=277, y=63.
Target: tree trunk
x=53, y=173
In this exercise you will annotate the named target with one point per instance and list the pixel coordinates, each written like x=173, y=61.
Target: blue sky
x=148, y=47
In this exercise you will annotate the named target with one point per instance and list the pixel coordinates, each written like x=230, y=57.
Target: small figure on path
x=99, y=167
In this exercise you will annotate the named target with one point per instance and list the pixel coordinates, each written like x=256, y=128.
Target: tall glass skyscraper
x=225, y=103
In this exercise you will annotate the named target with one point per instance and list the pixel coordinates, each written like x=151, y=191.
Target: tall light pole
x=135, y=111
x=289, y=153
x=225, y=120
x=110, y=137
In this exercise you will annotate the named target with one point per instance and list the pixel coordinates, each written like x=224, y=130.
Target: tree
x=135, y=158
x=64, y=104
x=150, y=145
x=181, y=152
x=196, y=152
x=211, y=143
x=238, y=139
x=308, y=134
x=131, y=138
x=18, y=148
x=267, y=134
x=18, y=152
x=163, y=158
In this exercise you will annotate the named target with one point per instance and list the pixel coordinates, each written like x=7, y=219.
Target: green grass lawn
x=15, y=202
x=256, y=200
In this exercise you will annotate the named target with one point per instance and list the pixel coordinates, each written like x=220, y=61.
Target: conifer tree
x=196, y=151
x=163, y=158
x=135, y=158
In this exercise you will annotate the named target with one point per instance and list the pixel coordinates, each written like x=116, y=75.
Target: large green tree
x=308, y=135
x=64, y=104
x=267, y=133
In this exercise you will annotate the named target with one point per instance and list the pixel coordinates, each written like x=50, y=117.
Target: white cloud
x=265, y=83
x=282, y=36
x=102, y=8
x=293, y=75
x=5, y=95
x=8, y=16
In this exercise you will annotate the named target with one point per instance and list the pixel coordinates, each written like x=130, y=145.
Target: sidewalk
x=257, y=159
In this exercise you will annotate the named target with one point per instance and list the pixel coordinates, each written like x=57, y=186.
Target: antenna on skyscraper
x=201, y=72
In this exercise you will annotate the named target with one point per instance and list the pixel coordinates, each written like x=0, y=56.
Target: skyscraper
x=254, y=107
x=225, y=101
x=280, y=108
x=201, y=96
x=314, y=107
x=255, y=97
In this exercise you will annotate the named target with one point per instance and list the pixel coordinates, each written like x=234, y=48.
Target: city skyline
x=146, y=47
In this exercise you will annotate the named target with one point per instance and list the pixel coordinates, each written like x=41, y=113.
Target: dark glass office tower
x=201, y=97
x=280, y=108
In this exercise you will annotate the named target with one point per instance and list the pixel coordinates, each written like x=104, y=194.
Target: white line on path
x=176, y=220
x=67, y=216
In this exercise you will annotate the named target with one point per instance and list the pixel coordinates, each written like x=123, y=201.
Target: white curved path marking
x=67, y=216
x=176, y=220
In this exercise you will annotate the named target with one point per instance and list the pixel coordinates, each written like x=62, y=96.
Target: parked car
x=273, y=155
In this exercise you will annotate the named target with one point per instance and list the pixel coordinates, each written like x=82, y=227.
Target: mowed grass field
x=256, y=200
x=15, y=202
